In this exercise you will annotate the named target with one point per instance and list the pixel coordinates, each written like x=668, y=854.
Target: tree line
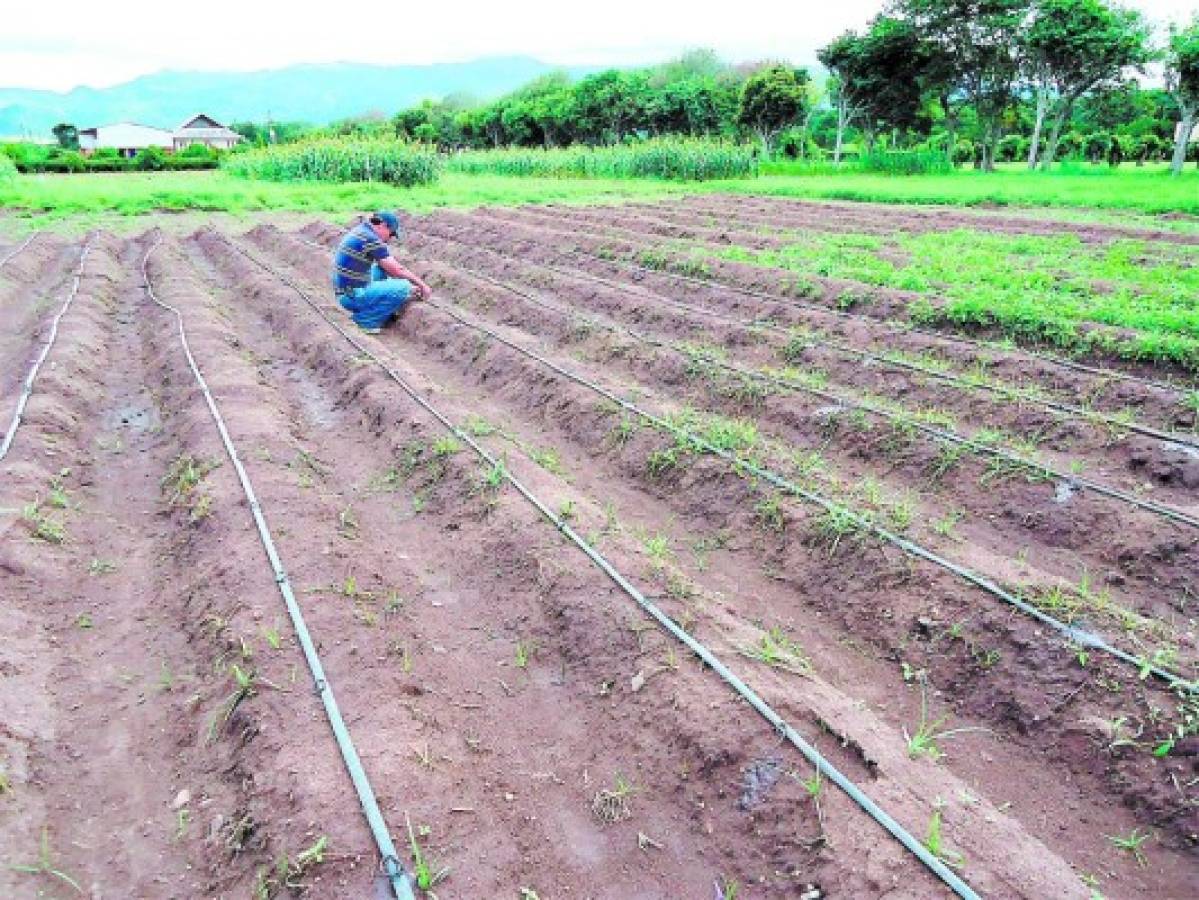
x=978, y=80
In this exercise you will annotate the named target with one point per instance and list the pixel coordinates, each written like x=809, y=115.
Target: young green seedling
x=45, y=865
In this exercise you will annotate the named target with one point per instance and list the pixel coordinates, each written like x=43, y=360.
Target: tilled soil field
x=515, y=520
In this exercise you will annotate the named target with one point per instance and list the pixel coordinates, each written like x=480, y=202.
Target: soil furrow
x=681, y=256
x=32, y=289
x=889, y=219
x=555, y=602
x=1042, y=527
x=531, y=396
x=1145, y=456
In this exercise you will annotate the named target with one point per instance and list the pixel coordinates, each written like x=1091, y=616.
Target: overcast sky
x=84, y=42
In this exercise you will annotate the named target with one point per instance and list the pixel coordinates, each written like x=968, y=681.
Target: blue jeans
x=373, y=305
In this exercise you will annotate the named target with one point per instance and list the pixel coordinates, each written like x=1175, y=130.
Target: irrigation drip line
x=401, y=882
x=912, y=329
x=26, y=243
x=1078, y=636
x=1075, y=481
x=1008, y=393
x=786, y=731
x=27, y=387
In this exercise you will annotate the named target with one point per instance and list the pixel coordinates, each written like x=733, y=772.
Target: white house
x=126, y=137
x=129, y=137
x=203, y=129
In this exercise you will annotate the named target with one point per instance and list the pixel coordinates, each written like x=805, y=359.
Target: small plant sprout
x=45, y=865
x=566, y=510
x=659, y=462
x=549, y=460
x=613, y=805
x=936, y=844
x=1132, y=843
x=101, y=567
x=728, y=888
x=446, y=446
x=272, y=637
x=493, y=477
x=424, y=755
x=347, y=524
x=181, y=820
x=657, y=547
x=182, y=478
x=770, y=514
x=623, y=431
x=778, y=651
x=836, y=525
x=59, y=498
x=477, y=426
x=5, y=784
x=924, y=741
x=42, y=526
x=166, y=678
x=427, y=875
x=524, y=652
x=814, y=784
x=947, y=525
x=245, y=688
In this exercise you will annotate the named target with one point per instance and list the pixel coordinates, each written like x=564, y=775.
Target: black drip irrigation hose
x=26, y=243
x=1078, y=636
x=786, y=731
x=938, y=433
x=912, y=329
x=27, y=387
x=398, y=878
x=846, y=349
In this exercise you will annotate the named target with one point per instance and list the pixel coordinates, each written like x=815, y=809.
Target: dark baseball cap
x=390, y=219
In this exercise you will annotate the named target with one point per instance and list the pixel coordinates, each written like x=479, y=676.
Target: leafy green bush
x=151, y=160
x=8, y=169
x=679, y=160
x=196, y=151
x=392, y=162
x=907, y=162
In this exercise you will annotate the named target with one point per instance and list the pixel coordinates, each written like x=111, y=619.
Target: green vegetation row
x=1044, y=289
x=388, y=162
x=680, y=160
x=36, y=159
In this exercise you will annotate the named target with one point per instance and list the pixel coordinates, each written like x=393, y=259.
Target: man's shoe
x=366, y=330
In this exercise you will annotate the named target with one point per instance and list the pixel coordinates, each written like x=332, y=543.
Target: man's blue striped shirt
x=358, y=251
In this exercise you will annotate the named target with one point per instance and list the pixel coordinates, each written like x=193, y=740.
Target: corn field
x=907, y=162
x=391, y=162
x=669, y=159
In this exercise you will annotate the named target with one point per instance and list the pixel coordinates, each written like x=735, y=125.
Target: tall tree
x=1182, y=80
x=67, y=135
x=974, y=53
x=611, y=104
x=772, y=100
x=878, y=76
x=840, y=57
x=1076, y=46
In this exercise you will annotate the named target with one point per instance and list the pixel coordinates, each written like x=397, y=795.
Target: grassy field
x=1043, y=288
x=1149, y=189
x=85, y=199
x=1129, y=194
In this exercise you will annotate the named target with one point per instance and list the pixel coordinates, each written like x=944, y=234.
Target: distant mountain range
x=304, y=93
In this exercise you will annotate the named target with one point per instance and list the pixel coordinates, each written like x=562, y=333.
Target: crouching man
x=369, y=282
